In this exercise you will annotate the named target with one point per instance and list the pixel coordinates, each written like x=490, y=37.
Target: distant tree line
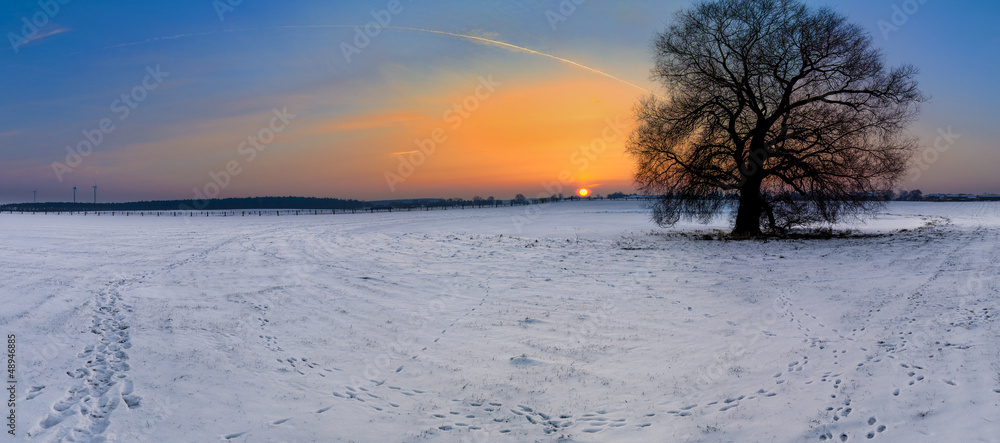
x=919, y=196
x=903, y=195
x=335, y=204
x=909, y=196
x=201, y=205
x=278, y=203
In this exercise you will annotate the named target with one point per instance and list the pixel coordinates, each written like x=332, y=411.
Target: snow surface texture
x=577, y=321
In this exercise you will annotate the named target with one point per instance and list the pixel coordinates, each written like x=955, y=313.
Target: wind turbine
x=74, y=193
x=95, y=193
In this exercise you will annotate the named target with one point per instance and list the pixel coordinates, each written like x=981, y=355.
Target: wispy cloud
x=48, y=33
x=397, y=154
x=365, y=122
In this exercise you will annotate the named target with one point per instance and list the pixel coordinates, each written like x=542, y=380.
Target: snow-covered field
x=588, y=324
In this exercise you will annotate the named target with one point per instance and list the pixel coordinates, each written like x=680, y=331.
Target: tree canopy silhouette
x=790, y=109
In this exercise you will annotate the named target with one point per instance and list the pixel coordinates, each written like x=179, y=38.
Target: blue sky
x=355, y=121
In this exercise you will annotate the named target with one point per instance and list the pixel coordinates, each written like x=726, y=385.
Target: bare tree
x=787, y=108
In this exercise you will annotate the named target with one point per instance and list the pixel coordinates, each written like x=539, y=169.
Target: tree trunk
x=749, y=212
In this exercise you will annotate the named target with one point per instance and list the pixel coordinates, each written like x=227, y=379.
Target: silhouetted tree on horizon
x=790, y=108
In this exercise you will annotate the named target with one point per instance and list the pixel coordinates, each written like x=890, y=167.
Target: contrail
x=429, y=31
x=523, y=49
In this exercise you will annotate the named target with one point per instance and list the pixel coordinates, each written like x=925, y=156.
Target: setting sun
x=584, y=192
